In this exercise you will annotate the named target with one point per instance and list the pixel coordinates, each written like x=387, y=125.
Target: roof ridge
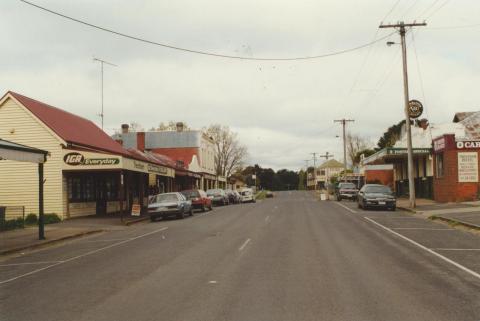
x=48, y=105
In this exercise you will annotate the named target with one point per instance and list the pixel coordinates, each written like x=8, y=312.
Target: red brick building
x=455, y=169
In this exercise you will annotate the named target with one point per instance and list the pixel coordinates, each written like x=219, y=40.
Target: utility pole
x=101, y=64
x=315, y=169
x=344, y=123
x=401, y=28
x=326, y=156
x=306, y=173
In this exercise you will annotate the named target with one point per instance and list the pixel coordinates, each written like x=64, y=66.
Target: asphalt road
x=288, y=258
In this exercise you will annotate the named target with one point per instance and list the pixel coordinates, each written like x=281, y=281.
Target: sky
x=282, y=110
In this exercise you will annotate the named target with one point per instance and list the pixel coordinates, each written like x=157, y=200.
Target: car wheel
x=191, y=211
x=181, y=215
x=393, y=208
x=204, y=208
x=358, y=205
x=153, y=218
x=339, y=198
x=210, y=207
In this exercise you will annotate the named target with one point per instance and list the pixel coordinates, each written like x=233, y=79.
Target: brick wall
x=384, y=176
x=447, y=188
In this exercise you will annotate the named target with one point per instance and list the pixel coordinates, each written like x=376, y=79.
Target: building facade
x=86, y=172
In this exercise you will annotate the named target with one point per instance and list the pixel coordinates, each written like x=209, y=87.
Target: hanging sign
x=415, y=108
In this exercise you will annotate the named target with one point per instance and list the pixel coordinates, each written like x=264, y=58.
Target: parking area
x=460, y=246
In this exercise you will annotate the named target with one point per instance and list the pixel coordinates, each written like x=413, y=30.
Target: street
x=287, y=258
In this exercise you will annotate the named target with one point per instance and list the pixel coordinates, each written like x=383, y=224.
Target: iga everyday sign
x=76, y=159
x=467, y=167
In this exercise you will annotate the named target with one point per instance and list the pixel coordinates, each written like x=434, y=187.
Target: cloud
x=282, y=110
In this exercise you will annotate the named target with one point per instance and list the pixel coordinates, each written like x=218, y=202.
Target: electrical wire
x=206, y=53
x=422, y=87
x=424, y=12
x=438, y=9
x=391, y=10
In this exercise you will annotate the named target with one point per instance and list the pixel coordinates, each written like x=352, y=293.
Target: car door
x=361, y=194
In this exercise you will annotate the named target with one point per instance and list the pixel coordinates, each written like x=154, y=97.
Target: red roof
x=183, y=154
x=71, y=128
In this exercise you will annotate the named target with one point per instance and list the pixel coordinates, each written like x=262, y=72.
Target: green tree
x=391, y=136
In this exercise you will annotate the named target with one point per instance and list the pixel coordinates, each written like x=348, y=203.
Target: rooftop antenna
x=102, y=62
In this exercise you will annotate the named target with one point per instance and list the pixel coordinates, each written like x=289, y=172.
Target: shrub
x=12, y=224
x=51, y=218
x=31, y=219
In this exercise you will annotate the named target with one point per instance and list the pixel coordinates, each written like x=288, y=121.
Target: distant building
x=192, y=149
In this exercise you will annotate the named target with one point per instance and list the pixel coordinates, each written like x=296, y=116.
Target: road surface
x=287, y=258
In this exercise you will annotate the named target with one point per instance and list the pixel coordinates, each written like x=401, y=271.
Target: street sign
x=415, y=108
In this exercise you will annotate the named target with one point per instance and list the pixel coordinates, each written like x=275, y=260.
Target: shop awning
x=394, y=153
x=21, y=153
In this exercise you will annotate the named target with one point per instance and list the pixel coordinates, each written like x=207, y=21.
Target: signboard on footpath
x=136, y=210
x=467, y=167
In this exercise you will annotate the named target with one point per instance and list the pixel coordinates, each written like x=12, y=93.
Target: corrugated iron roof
x=71, y=128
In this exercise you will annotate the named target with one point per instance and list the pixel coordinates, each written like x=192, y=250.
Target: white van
x=247, y=195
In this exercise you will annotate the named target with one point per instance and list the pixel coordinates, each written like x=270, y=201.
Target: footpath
x=466, y=213
x=27, y=238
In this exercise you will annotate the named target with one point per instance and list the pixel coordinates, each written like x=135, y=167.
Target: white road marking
x=267, y=218
x=30, y=263
x=212, y=282
x=440, y=249
x=82, y=255
x=107, y=240
x=244, y=244
x=422, y=228
x=446, y=259
x=345, y=207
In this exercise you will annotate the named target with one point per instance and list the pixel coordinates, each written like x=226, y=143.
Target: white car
x=247, y=195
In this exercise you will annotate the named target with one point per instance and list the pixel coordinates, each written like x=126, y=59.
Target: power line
x=391, y=10
x=476, y=25
x=206, y=53
x=438, y=9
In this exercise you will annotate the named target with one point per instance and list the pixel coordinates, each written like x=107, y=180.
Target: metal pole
x=411, y=182
x=344, y=152
x=101, y=63
x=41, y=222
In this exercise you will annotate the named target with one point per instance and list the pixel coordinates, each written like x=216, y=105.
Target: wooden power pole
x=344, y=123
x=401, y=28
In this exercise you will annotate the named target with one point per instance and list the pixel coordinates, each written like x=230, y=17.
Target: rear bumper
x=166, y=213
x=352, y=196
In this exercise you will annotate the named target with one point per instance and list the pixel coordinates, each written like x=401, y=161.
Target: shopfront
x=422, y=170
x=160, y=179
x=456, y=163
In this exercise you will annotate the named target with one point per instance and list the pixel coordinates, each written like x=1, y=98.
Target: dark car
x=169, y=204
x=376, y=195
x=346, y=191
x=232, y=197
x=218, y=196
x=238, y=197
x=199, y=199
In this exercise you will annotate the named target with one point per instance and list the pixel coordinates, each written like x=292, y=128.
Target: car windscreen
x=378, y=189
x=347, y=185
x=244, y=193
x=191, y=194
x=214, y=192
x=163, y=198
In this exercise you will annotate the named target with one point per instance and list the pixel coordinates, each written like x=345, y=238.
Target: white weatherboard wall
x=19, y=180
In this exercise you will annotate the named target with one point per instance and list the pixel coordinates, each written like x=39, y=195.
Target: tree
x=302, y=178
x=170, y=126
x=366, y=152
x=229, y=153
x=135, y=127
x=355, y=143
x=391, y=136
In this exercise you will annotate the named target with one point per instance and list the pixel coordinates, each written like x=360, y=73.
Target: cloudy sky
x=282, y=110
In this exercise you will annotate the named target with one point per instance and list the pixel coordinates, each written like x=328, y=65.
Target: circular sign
x=415, y=108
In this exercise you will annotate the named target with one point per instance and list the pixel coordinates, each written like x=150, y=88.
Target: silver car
x=169, y=204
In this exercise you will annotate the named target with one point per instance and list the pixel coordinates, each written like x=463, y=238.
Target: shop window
x=111, y=185
x=439, y=166
x=75, y=190
x=88, y=189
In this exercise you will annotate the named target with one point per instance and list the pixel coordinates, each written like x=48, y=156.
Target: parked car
x=218, y=196
x=247, y=195
x=376, y=195
x=269, y=194
x=346, y=190
x=232, y=198
x=238, y=196
x=169, y=204
x=199, y=199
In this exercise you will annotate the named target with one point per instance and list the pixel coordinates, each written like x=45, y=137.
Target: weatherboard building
x=86, y=171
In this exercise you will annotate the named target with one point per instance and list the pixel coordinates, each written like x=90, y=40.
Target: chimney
x=179, y=126
x=423, y=123
x=141, y=141
x=125, y=128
